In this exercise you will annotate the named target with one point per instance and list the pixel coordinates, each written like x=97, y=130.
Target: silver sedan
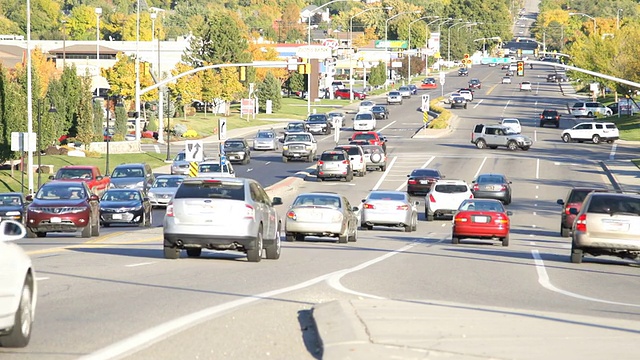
x=323, y=214
x=265, y=140
x=389, y=208
x=163, y=189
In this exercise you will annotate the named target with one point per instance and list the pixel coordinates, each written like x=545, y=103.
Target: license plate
x=116, y=216
x=424, y=181
x=56, y=220
x=481, y=219
x=331, y=166
x=616, y=226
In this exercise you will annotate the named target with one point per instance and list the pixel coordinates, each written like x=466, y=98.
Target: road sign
x=222, y=129
x=442, y=78
x=425, y=102
x=425, y=117
x=193, y=150
x=223, y=157
x=193, y=169
x=22, y=141
x=495, y=60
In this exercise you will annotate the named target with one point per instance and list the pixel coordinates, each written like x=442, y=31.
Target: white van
x=364, y=121
x=513, y=67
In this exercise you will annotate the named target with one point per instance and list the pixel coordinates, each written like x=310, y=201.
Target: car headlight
x=36, y=210
x=308, y=147
x=285, y=147
x=13, y=213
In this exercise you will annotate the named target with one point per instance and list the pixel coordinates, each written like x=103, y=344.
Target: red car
x=481, y=219
x=371, y=137
x=429, y=83
x=574, y=199
x=344, y=94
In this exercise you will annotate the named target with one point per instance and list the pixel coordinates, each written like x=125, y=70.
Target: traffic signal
x=520, y=68
x=243, y=73
x=304, y=68
x=519, y=52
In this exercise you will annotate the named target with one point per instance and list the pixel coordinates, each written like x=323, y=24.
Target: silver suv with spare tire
x=493, y=136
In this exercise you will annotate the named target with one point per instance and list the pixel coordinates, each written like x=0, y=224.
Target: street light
x=52, y=109
x=64, y=43
x=98, y=14
x=308, y=44
x=137, y=65
x=618, y=19
x=108, y=134
x=29, y=102
x=168, y=124
x=351, y=46
x=449, y=38
x=409, y=45
x=589, y=16
x=386, y=37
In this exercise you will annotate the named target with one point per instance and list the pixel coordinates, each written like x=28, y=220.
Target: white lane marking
x=535, y=135
x=334, y=280
x=267, y=163
x=480, y=168
x=479, y=102
x=146, y=338
x=507, y=105
x=156, y=148
x=543, y=279
x=613, y=151
x=537, y=169
x=385, y=173
x=250, y=170
x=41, y=278
x=391, y=123
x=140, y=264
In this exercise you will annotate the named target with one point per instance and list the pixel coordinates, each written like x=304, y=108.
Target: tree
x=188, y=87
x=98, y=120
x=378, y=75
x=261, y=53
x=217, y=42
x=120, y=124
x=84, y=122
x=296, y=82
x=269, y=89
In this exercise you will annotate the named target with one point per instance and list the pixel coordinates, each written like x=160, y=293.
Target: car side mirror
x=473, y=182
x=560, y=202
x=51, y=177
x=573, y=211
x=509, y=213
x=276, y=201
x=510, y=183
x=355, y=208
x=409, y=175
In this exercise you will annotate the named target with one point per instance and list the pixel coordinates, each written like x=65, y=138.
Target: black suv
x=237, y=150
x=319, y=124
x=551, y=117
x=463, y=72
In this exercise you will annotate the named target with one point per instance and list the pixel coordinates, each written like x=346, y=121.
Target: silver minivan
x=222, y=214
x=590, y=109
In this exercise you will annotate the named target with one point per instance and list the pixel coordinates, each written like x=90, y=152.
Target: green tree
x=296, y=82
x=120, y=123
x=217, y=42
x=98, y=120
x=84, y=122
x=269, y=89
x=378, y=75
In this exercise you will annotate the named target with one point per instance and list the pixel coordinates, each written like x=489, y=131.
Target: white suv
x=592, y=131
x=364, y=121
x=525, y=86
x=445, y=198
x=356, y=157
x=590, y=109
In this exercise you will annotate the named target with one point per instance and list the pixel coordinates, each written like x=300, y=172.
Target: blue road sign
x=495, y=60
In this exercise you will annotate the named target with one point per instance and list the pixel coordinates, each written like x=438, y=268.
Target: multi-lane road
x=116, y=296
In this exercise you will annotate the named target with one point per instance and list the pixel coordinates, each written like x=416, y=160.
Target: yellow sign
x=425, y=117
x=193, y=169
x=437, y=55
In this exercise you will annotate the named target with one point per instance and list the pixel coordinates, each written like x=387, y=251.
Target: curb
x=288, y=184
x=612, y=179
x=336, y=322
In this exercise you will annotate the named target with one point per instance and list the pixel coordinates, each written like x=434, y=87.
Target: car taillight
x=567, y=210
x=403, y=207
x=320, y=163
x=476, y=187
x=250, y=212
x=503, y=188
x=500, y=219
x=541, y=116
x=345, y=161
x=431, y=198
x=471, y=196
x=460, y=218
x=291, y=215
x=581, y=223
x=368, y=206
x=169, y=212
x=412, y=182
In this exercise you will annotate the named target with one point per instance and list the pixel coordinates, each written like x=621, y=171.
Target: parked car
x=429, y=83
x=481, y=219
x=222, y=214
x=589, y=109
x=265, y=140
x=389, y=209
x=334, y=164
x=237, y=150
x=419, y=181
x=381, y=112
x=63, y=206
x=573, y=200
x=550, y=116
x=323, y=214
x=12, y=206
x=163, y=189
x=132, y=176
x=394, y=97
x=18, y=288
x=595, y=132
x=444, y=198
x=214, y=168
x=124, y=206
x=607, y=224
x=345, y=94
x=492, y=186
x=513, y=124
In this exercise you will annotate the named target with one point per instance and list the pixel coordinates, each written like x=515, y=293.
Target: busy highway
x=117, y=297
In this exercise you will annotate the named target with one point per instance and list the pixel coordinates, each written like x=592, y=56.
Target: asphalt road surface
x=117, y=297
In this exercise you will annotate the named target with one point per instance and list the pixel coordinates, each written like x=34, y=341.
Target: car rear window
x=425, y=172
x=211, y=189
x=265, y=135
x=490, y=179
x=351, y=150
x=604, y=204
x=317, y=200
x=451, y=188
x=332, y=157
x=386, y=196
x=316, y=118
x=364, y=137
x=578, y=196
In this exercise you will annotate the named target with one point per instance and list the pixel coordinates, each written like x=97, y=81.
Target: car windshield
x=387, y=196
x=119, y=195
x=377, y=108
x=210, y=189
x=351, y=150
x=60, y=192
x=490, y=179
x=127, y=172
x=298, y=137
x=403, y=88
x=234, y=145
x=366, y=103
x=74, y=174
x=167, y=182
x=480, y=205
x=425, y=172
x=451, y=188
x=317, y=200
x=10, y=200
x=297, y=126
x=180, y=157
x=316, y=118
x=335, y=114
x=264, y=135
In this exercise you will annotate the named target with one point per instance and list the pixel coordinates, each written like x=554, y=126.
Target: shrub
x=442, y=121
x=190, y=134
x=179, y=129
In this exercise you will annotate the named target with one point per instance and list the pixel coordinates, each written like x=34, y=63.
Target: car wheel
x=455, y=240
x=429, y=217
x=95, y=229
x=349, y=177
x=505, y=240
x=354, y=235
x=194, y=252
x=246, y=160
x=383, y=168
x=576, y=255
x=564, y=232
x=566, y=138
x=541, y=124
x=414, y=223
x=407, y=228
x=481, y=144
x=20, y=334
x=285, y=159
x=150, y=218
x=512, y=145
x=86, y=231
x=255, y=254
x=493, y=147
x=321, y=179
x=31, y=234
x=171, y=252
x=610, y=141
x=525, y=148
x=290, y=237
x=596, y=139
x=589, y=114
x=299, y=237
x=344, y=238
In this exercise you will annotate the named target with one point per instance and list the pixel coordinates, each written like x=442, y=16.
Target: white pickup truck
x=299, y=146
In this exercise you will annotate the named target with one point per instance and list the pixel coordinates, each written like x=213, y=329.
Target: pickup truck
x=84, y=173
x=299, y=146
